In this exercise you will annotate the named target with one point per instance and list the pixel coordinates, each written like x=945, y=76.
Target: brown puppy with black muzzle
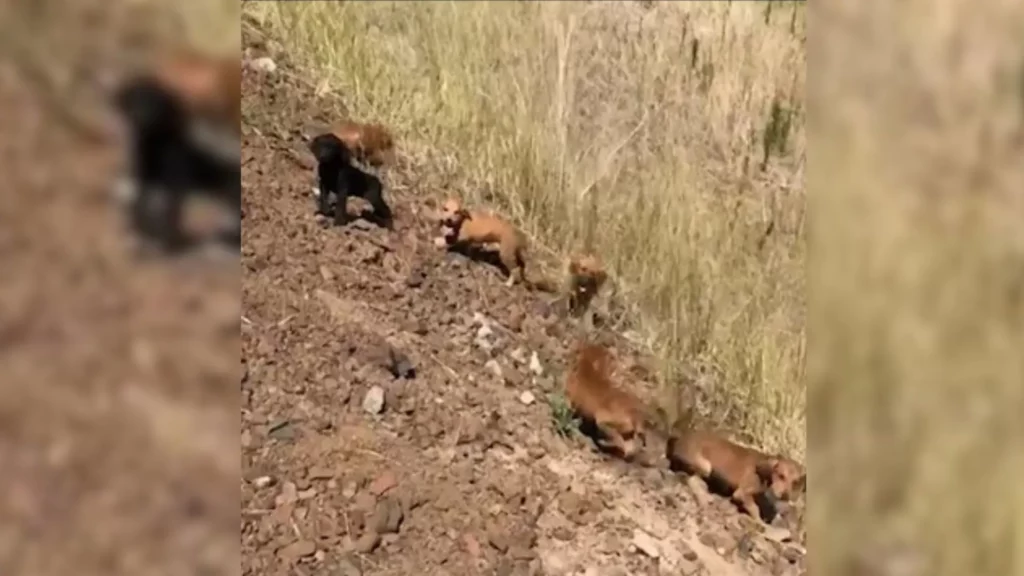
x=744, y=471
x=617, y=414
x=371, y=144
x=475, y=228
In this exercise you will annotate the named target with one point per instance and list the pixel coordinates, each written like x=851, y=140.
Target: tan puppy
x=464, y=227
x=369, y=143
x=208, y=86
x=586, y=276
x=617, y=414
x=745, y=471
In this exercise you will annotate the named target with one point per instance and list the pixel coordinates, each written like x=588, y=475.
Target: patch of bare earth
x=353, y=465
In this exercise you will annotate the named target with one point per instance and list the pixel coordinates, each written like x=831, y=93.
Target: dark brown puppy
x=371, y=144
x=618, y=415
x=745, y=471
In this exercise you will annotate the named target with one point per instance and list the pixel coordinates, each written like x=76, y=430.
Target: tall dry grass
x=669, y=140
x=916, y=368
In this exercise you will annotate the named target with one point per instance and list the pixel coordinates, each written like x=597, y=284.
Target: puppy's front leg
x=746, y=499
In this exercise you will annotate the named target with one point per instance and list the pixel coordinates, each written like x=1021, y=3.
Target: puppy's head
x=589, y=272
x=782, y=476
x=453, y=214
x=329, y=149
x=148, y=107
x=598, y=357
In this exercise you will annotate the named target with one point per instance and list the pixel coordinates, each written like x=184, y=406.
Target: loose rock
x=297, y=550
x=527, y=398
x=535, y=365
x=373, y=402
x=645, y=543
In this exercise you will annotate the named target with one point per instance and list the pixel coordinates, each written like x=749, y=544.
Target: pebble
x=645, y=543
x=296, y=550
x=263, y=64
x=495, y=368
x=527, y=398
x=373, y=402
x=367, y=543
x=535, y=365
x=383, y=483
x=263, y=482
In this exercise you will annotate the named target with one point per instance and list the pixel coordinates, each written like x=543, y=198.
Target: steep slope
x=460, y=471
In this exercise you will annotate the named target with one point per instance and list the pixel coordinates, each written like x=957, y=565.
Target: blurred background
x=118, y=406
x=916, y=286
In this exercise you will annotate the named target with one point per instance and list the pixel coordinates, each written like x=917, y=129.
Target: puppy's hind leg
x=374, y=194
x=509, y=256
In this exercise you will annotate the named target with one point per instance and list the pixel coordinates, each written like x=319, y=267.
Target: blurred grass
x=916, y=371
x=669, y=140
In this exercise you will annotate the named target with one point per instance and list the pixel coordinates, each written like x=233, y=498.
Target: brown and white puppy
x=744, y=471
x=479, y=229
x=586, y=276
x=371, y=144
x=617, y=414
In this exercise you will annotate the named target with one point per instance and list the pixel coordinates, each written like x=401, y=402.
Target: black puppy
x=337, y=175
x=167, y=165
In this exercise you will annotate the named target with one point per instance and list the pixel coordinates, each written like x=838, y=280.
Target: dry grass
x=640, y=134
x=916, y=371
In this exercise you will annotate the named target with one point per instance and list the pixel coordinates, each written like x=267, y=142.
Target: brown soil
x=456, y=474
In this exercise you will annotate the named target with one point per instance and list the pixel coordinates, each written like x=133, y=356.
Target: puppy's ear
x=801, y=483
x=574, y=267
x=464, y=214
x=766, y=468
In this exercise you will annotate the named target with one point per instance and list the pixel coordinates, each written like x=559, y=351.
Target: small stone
x=497, y=540
x=367, y=543
x=373, y=402
x=645, y=543
x=326, y=274
x=282, y=430
x=307, y=494
x=320, y=473
x=527, y=398
x=383, y=483
x=263, y=64
x=484, y=332
x=297, y=550
x=415, y=279
x=263, y=482
x=519, y=355
x=289, y=494
x=495, y=368
x=387, y=518
x=346, y=568
x=563, y=533
x=535, y=365
x=776, y=534
x=472, y=546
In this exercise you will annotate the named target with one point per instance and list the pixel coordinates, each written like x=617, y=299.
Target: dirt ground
x=459, y=470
